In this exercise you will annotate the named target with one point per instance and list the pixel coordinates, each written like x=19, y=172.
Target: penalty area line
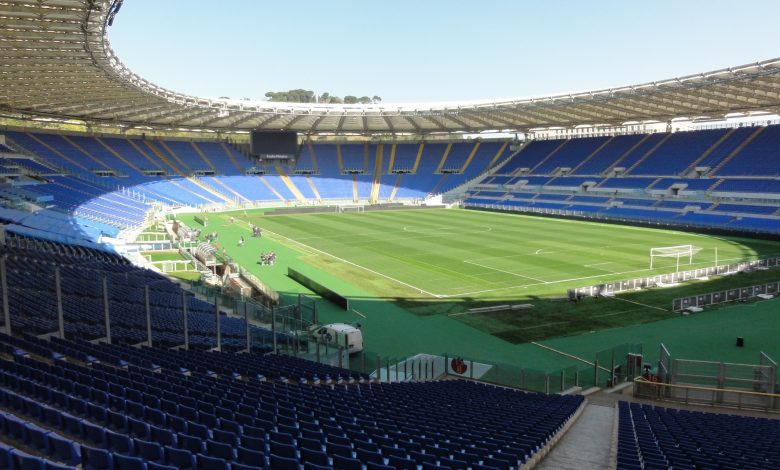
x=505, y=272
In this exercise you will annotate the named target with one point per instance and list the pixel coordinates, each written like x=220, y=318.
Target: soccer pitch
x=464, y=254
x=412, y=275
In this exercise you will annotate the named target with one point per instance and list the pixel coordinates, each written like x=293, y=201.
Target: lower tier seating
x=652, y=437
x=143, y=416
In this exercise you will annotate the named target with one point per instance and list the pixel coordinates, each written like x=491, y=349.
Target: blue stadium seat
x=118, y=443
x=56, y=466
x=314, y=456
x=211, y=463
x=96, y=459
x=219, y=449
x=282, y=463
x=126, y=462
x=5, y=456
x=346, y=463
x=179, y=458
x=24, y=461
x=157, y=466
x=149, y=451
x=255, y=458
x=63, y=449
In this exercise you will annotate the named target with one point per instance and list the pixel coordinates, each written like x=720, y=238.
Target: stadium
x=579, y=280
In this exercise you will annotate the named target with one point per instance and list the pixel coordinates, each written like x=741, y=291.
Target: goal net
x=684, y=252
x=350, y=208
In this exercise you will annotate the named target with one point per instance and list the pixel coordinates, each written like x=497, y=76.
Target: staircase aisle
x=586, y=446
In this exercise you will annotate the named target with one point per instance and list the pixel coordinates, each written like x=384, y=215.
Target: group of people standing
x=266, y=258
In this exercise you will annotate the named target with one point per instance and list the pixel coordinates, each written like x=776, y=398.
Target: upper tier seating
x=571, y=155
x=759, y=158
x=677, y=153
x=657, y=174
x=608, y=155
x=141, y=172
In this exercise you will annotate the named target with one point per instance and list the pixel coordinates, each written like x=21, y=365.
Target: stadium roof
x=56, y=61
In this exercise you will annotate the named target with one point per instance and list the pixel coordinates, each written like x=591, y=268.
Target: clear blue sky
x=435, y=50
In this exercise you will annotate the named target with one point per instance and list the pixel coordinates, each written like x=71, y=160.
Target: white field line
x=688, y=267
x=307, y=252
x=353, y=264
x=446, y=296
x=507, y=272
x=437, y=267
x=540, y=251
x=544, y=325
x=436, y=230
x=597, y=264
x=541, y=283
x=432, y=232
x=639, y=303
x=558, y=351
x=358, y=313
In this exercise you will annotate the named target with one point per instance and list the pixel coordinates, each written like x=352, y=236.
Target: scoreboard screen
x=274, y=144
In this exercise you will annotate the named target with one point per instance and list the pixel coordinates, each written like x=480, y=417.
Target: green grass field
x=411, y=275
x=460, y=254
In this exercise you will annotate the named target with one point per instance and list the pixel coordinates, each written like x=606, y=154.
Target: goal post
x=677, y=252
x=350, y=208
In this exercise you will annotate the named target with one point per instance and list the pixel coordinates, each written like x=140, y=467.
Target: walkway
x=587, y=444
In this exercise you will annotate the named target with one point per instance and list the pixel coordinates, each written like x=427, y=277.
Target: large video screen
x=274, y=144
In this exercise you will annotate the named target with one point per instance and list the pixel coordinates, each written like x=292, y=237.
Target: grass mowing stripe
x=353, y=264
x=441, y=254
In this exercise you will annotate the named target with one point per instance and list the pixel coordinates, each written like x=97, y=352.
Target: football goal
x=350, y=208
x=677, y=252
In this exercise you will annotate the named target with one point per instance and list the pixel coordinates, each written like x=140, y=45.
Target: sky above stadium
x=435, y=50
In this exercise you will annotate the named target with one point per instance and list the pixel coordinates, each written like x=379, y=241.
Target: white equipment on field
x=340, y=334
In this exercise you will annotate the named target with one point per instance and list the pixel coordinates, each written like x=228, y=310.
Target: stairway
x=444, y=157
x=375, y=184
x=288, y=182
x=648, y=153
x=707, y=152
x=549, y=156
x=592, y=154
x=471, y=156
x=736, y=151
x=626, y=153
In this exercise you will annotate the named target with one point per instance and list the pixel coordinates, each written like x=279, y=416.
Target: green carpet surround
x=412, y=276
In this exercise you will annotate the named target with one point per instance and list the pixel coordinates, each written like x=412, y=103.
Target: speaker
x=740, y=342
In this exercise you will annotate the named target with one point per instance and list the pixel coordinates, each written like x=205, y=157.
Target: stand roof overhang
x=56, y=62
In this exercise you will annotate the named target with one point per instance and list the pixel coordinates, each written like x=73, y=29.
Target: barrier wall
x=673, y=278
x=729, y=295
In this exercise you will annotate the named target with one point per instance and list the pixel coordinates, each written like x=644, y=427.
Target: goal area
x=677, y=252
